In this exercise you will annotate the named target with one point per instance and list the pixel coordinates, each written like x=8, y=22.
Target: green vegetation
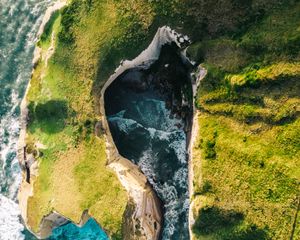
x=246, y=160
x=72, y=161
x=246, y=170
x=255, y=173
x=45, y=38
x=90, y=38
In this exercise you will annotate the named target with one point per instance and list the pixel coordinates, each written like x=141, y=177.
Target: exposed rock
x=49, y=222
x=198, y=76
x=99, y=130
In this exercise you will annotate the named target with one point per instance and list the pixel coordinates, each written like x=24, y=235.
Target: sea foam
x=10, y=226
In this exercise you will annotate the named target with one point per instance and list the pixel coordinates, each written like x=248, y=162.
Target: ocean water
x=145, y=132
x=90, y=231
x=19, y=23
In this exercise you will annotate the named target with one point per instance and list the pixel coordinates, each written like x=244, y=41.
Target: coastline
x=250, y=130
x=148, y=206
x=26, y=189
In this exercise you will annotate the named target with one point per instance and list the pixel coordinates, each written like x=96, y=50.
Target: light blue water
x=90, y=231
x=19, y=23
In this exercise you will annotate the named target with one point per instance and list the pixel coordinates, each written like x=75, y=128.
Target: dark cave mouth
x=149, y=112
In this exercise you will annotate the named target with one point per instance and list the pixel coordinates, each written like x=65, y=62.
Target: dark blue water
x=19, y=23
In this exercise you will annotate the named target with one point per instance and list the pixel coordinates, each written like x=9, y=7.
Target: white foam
x=179, y=146
x=21, y=19
x=180, y=177
x=10, y=125
x=10, y=226
x=173, y=205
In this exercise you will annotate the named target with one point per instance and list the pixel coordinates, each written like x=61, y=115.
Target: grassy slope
x=72, y=170
x=248, y=150
x=63, y=123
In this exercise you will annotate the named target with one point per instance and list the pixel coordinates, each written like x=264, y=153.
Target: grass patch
x=249, y=121
x=254, y=174
x=255, y=75
x=45, y=38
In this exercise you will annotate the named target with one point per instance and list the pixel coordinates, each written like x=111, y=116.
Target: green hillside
x=247, y=167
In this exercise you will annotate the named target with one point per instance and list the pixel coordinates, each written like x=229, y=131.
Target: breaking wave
x=10, y=226
x=19, y=23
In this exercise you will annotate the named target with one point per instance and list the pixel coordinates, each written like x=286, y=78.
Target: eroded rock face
x=53, y=220
x=143, y=218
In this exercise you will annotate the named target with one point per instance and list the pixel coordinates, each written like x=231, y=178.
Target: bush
x=68, y=20
x=209, y=147
x=53, y=109
x=48, y=27
x=213, y=219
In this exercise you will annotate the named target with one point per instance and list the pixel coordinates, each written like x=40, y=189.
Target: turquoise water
x=19, y=23
x=90, y=231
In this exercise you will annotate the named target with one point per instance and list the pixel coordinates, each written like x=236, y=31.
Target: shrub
x=213, y=219
x=68, y=20
x=209, y=147
x=53, y=109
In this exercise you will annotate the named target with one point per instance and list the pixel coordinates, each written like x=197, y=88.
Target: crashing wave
x=10, y=226
x=151, y=118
